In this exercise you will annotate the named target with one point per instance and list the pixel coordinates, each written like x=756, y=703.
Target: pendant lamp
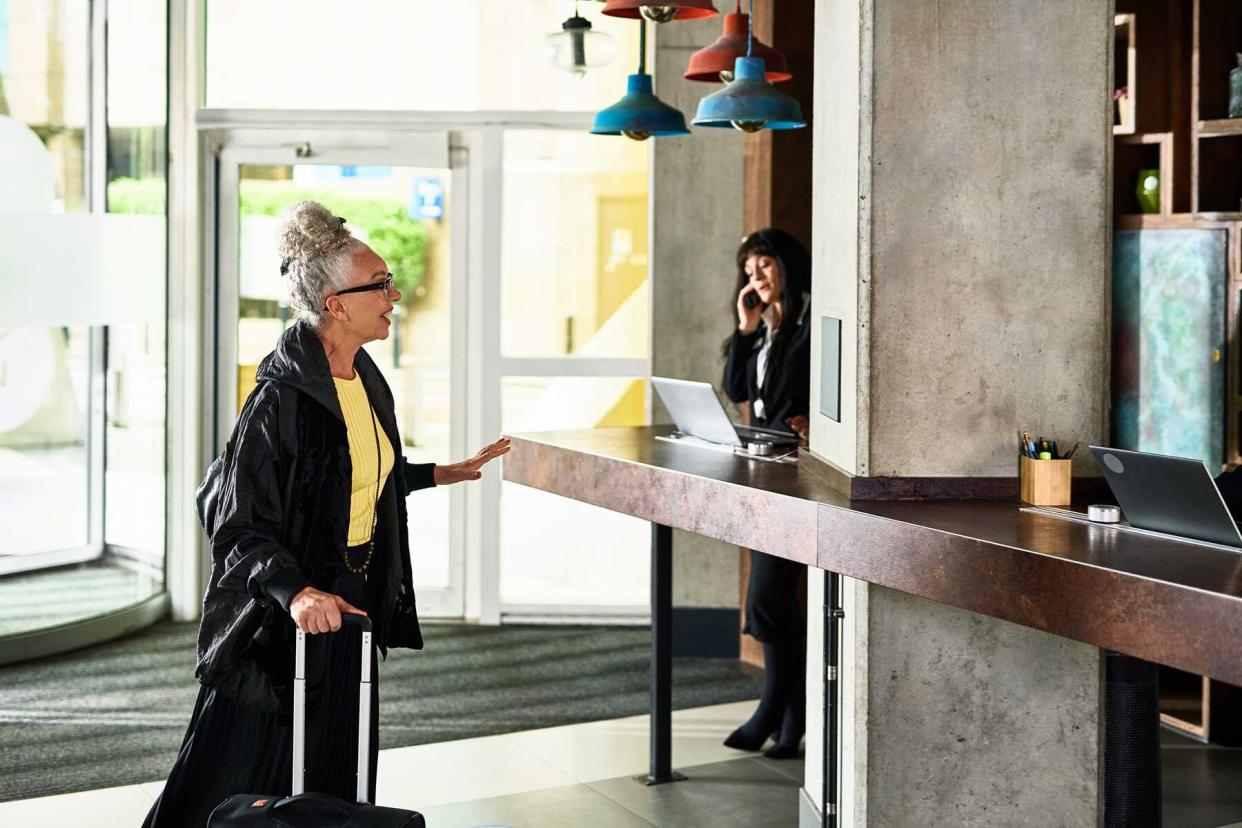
x=714, y=63
x=660, y=11
x=640, y=114
x=578, y=48
x=749, y=102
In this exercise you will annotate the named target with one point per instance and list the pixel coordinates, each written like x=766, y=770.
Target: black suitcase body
x=317, y=809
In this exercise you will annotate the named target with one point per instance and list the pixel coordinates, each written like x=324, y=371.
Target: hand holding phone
x=749, y=309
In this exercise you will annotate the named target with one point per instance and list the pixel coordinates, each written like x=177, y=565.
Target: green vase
x=1148, y=191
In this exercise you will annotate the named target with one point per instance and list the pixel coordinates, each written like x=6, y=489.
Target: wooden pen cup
x=1044, y=482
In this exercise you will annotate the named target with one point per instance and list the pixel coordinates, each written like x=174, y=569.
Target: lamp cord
x=642, y=46
x=750, y=27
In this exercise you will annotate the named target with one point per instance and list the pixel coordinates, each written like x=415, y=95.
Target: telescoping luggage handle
x=364, y=709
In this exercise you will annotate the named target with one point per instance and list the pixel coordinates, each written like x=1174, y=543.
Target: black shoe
x=793, y=724
x=783, y=751
x=755, y=732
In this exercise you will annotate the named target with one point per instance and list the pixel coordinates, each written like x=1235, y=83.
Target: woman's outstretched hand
x=315, y=611
x=471, y=469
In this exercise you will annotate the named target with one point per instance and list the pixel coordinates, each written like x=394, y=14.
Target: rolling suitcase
x=316, y=809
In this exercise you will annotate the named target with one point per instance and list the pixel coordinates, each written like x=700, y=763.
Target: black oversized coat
x=276, y=508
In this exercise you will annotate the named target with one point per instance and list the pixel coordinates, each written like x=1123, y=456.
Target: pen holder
x=1044, y=482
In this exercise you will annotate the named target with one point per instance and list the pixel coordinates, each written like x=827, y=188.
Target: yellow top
x=362, y=426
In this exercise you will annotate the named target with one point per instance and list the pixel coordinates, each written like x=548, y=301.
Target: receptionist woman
x=768, y=365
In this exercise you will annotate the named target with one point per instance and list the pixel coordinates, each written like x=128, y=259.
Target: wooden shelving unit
x=1175, y=56
x=1219, y=128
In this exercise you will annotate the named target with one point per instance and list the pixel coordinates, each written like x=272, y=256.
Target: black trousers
x=232, y=748
x=774, y=611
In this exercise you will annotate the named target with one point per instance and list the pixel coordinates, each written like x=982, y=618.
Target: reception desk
x=1160, y=599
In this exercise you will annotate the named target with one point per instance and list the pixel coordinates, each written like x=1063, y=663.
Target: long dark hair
x=795, y=264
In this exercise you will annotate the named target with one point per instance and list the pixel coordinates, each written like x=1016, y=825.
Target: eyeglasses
x=385, y=286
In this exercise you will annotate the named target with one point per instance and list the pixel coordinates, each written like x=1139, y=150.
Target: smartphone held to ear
x=752, y=300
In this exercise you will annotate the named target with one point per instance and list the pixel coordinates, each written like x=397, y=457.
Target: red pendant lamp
x=660, y=11
x=708, y=63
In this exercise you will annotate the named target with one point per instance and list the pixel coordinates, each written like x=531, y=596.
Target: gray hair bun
x=310, y=232
x=315, y=250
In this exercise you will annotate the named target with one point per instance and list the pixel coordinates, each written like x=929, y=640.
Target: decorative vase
x=1235, y=90
x=1148, y=191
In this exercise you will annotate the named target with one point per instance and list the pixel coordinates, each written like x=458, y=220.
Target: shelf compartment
x=1151, y=150
x=1184, y=703
x=1218, y=39
x=1218, y=175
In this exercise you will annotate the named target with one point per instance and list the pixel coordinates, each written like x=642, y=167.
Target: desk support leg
x=661, y=769
x=833, y=613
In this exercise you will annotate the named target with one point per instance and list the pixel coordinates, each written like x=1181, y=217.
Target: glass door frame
x=234, y=149
x=495, y=367
x=476, y=148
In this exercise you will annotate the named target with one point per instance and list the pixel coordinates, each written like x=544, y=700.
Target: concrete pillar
x=696, y=209
x=960, y=234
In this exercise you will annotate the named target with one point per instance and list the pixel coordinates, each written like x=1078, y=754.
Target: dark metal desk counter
x=1175, y=603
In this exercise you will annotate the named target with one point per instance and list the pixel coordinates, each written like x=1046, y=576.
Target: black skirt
x=774, y=612
x=232, y=748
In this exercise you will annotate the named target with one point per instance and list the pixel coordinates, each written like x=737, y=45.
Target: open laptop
x=1174, y=495
x=698, y=413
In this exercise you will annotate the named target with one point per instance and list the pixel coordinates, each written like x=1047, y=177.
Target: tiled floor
x=585, y=775
x=564, y=776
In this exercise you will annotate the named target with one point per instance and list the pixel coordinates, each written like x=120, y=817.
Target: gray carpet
x=115, y=714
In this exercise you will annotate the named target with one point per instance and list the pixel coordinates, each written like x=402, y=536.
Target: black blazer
x=786, y=395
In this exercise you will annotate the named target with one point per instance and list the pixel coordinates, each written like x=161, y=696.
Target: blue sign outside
x=427, y=202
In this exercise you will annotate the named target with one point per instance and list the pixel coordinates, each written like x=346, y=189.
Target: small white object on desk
x=1104, y=514
x=759, y=448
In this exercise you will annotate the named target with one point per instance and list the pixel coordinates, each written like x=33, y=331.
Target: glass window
x=45, y=358
x=595, y=557
x=412, y=55
x=136, y=353
x=44, y=87
x=44, y=457
x=84, y=360
x=575, y=246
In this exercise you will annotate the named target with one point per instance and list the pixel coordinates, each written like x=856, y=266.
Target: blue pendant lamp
x=640, y=114
x=749, y=102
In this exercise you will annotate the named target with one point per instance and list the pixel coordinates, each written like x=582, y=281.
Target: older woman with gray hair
x=306, y=514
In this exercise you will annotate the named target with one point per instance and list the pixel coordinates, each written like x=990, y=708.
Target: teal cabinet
x=1168, y=367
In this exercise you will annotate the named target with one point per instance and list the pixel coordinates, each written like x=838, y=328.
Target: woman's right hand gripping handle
x=748, y=317
x=315, y=611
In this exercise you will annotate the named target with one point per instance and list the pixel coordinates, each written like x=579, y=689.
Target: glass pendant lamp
x=578, y=48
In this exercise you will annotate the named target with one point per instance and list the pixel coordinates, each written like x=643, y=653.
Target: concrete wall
x=977, y=220
x=974, y=721
x=990, y=221
x=696, y=199
x=961, y=233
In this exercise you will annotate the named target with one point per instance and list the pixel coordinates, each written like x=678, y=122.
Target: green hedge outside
x=390, y=231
